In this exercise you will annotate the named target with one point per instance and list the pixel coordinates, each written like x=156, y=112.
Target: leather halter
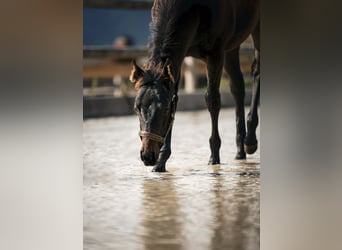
x=158, y=138
x=151, y=136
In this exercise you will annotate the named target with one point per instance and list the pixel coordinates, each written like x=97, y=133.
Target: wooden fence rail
x=113, y=53
x=118, y=4
x=128, y=53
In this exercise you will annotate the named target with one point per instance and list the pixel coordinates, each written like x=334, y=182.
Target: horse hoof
x=214, y=161
x=240, y=156
x=250, y=149
x=159, y=168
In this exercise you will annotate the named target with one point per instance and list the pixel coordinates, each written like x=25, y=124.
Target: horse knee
x=238, y=93
x=213, y=101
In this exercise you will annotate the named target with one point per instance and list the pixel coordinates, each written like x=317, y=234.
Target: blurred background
x=115, y=33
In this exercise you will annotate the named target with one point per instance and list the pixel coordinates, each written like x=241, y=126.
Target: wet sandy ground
x=192, y=206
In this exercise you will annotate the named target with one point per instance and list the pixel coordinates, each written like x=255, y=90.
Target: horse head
x=155, y=105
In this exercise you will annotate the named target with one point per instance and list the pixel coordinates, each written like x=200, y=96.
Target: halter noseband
x=151, y=136
x=158, y=138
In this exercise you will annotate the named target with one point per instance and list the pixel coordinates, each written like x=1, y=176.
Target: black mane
x=162, y=27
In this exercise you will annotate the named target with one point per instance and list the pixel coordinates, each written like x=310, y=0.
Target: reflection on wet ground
x=192, y=206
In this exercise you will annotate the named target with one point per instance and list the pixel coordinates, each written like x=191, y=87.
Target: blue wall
x=102, y=26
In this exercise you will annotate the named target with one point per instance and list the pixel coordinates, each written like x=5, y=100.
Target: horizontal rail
x=126, y=53
x=118, y=4
x=108, y=52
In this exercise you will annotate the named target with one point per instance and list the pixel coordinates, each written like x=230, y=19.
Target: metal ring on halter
x=151, y=136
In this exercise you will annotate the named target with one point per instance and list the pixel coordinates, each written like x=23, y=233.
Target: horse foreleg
x=251, y=143
x=164, y=154
x=237, y=88
x=213, y=100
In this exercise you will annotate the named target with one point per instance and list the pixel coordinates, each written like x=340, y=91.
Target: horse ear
x=136, y=73
x=168, y=70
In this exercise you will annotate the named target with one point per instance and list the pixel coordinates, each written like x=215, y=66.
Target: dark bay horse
x=211, y=30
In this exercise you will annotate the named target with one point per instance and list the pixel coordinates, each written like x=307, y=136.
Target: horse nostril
x=148, y=158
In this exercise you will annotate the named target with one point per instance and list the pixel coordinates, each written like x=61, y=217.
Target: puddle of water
x=192, y=206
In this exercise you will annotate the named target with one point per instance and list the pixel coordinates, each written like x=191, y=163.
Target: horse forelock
x=153, y=72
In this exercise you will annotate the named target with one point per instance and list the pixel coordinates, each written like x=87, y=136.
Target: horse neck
x=175, y=52
x=174, y=31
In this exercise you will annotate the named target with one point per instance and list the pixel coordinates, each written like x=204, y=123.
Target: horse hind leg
x=251, y=143
x=237, y=88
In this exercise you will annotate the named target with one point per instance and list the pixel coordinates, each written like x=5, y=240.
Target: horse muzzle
x=149, y=158
x=149, y=152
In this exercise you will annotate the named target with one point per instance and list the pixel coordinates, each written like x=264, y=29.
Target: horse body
x=196, y=27
x=211, y=30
